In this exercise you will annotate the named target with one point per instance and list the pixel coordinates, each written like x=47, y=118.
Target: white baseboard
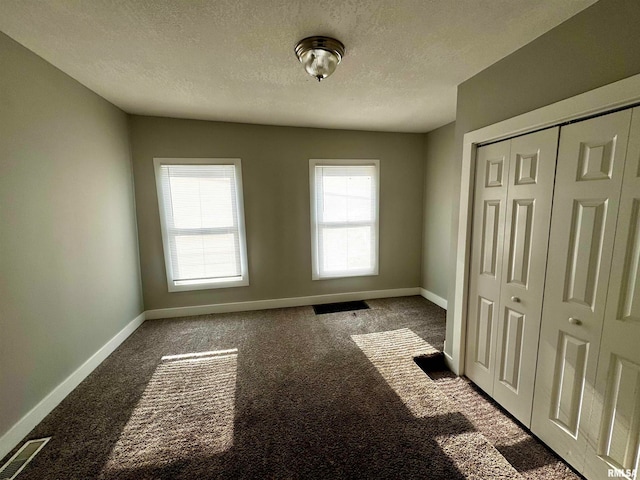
x=27, y=423
x=432, y=297
x=279, y=303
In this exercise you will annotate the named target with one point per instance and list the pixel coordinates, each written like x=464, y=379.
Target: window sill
x=315, y=276
x=208, y=285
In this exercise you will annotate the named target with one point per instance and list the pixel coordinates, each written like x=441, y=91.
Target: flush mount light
x=319, y=55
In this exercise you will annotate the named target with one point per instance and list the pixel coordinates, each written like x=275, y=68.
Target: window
x=202, y=220
x=344, y=217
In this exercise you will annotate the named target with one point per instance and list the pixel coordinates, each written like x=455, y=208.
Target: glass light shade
x=319, y=55
x=319, y=63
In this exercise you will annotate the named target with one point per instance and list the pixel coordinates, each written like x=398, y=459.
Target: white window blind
x=344, y=211
x=202, y=222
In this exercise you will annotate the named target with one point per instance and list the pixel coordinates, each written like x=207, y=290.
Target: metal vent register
x=14, y=466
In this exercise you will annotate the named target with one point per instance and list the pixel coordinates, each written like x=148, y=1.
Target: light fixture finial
x=319, y=55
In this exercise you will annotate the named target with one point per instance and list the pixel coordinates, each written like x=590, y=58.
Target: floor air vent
x=339, y=307
x=431, y=362
x=14, y=466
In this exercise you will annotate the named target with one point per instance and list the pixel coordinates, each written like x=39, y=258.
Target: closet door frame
x=623, y=93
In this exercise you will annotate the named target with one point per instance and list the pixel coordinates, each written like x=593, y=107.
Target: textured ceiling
x=233, y=60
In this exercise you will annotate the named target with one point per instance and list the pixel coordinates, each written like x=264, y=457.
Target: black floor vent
x=340, y=307
x=431, y=362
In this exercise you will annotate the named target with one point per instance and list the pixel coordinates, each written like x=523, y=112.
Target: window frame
x=316, y=271
x=158, y=162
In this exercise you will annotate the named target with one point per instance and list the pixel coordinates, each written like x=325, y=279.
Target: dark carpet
x=285, y=394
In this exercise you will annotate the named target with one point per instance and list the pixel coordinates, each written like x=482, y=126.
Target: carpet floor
x=285, y=394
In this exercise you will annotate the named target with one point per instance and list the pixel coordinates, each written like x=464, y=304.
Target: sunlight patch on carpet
x=392, y=354
x=475, y=457
x=186, y=410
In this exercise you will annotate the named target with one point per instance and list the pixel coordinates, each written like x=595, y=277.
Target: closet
x=512, y=209
x=553, y=330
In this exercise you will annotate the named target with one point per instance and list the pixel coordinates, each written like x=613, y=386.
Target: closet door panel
x=492, y=171
x=590, y=166
x=615, y=418
x=530, y=190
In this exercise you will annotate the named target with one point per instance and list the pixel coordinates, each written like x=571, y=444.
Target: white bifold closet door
x=615, y=417
x=590, y=166
x=512, y=209
x=490, y=198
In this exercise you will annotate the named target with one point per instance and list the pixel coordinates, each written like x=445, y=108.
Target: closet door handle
x=515, y=299
x=575, y=321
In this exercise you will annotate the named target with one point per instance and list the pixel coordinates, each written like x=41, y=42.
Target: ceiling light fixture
x=319, y=55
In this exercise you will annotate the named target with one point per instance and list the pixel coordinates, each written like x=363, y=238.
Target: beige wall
x=439, y=150
x=596, y=47
x=68, y=263
x=275, y=168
